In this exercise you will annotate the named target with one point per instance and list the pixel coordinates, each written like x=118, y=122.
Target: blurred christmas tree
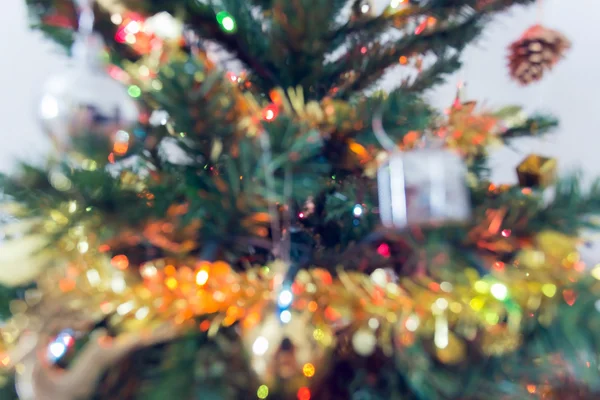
x=233, y=212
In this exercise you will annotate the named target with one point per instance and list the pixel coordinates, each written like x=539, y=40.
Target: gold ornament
x=295, y=352
x=537, y=171
x=537, y=51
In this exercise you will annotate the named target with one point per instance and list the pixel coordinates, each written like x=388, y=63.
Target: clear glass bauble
x=85, y=102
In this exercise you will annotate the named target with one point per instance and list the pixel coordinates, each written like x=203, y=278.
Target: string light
x=303, y=393
x=134, y=91
x=260, y=346
x=285, y=316
x=262, y=392
x=308, y=370
x=499, y=291
x=285, y=298
x=384, y=250
x=226, y=22
x=201, y=277
x=270, y=112
x=357, y=211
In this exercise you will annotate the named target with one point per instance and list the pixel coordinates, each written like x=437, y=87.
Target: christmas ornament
x=467, y=131
x=538, y=50
x=425, y=186
x=292, y=354
x=537, y=171
x=422, y=186
x=85, y=102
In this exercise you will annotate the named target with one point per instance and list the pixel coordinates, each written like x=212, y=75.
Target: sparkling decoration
x=467, y=131
x=288, y=352
x=537, y=171
x=425, y=186
x=536, y=52
x=102, y=287
x=85, y=102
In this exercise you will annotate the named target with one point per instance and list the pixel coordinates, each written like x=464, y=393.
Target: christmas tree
x=236, y=210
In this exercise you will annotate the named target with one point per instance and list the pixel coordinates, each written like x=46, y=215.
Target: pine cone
x=538, y=50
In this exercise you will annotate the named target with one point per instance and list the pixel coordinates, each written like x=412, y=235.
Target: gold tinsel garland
x=187, y=292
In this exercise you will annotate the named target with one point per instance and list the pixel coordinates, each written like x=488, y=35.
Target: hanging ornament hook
x=86, y=17
x=380, y=134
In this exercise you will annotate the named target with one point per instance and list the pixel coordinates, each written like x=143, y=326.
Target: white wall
x=570, y=91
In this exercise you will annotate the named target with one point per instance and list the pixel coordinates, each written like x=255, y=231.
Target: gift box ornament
x=537, y=171
x=424, y=186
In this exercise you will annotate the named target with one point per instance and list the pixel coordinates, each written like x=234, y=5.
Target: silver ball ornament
x=85, y=100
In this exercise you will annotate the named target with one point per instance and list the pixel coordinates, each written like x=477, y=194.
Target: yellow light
x=573, y=257
x=455, y=307
x=308, y=370
x=492, y=318
x=156, y=84
x=318, y=334
x=499, y=291
x=549, y=289
x=171, y=283
x=477, y=303
x=596, y=272
x=262, y=392
x=481, y=287
x=202, y=277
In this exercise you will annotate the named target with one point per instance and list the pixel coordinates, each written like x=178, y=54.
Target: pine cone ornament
x=538, y=50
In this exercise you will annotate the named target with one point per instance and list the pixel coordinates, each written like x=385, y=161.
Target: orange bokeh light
x=120, y=262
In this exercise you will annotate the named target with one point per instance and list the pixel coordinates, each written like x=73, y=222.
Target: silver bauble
x=85, y=100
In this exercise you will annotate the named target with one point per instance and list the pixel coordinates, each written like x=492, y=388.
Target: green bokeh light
x=226, y=21
x=134, y=91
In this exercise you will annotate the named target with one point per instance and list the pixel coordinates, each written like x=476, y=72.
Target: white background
x=570, y=91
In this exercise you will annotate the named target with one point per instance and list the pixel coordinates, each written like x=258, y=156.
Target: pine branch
x=434, y=74
x=383, y=56
x=536, y=125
